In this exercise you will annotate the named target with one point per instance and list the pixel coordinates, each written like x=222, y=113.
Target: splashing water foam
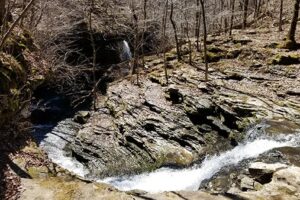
x=54, y=146
x=166, y=179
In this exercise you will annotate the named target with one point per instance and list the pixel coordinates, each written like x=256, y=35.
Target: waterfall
x=166, y=179
x=125, y=51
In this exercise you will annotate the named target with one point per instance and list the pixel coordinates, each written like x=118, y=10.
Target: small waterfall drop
x=55, y=143
x=166, y=179
x=125, y=51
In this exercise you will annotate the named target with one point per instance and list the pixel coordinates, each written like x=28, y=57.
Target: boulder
x=263, y=172
x=294, y=92
x=286, y=59
x=248, y=183
x=81, y=117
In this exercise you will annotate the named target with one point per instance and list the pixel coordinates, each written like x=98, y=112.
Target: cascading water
x=166, y=179
x=125, y=51
x=53, y=146
x=54, y=143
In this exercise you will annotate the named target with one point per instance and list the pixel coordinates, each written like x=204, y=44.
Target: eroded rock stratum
x=142, y=127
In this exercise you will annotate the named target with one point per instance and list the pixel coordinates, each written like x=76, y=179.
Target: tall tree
x=2, y=10
x=93, y=45
x=135, y=66
x=258, y=8
x=197, y=29
x=175, y=30
x=280, y=15
x=245, y=12
x=144, y=31
x=204, y=38
x=164, y=27
x=232, y=16
x=291, y=34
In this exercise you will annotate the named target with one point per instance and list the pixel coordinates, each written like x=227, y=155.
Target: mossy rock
x=12, y=78
x=179, y=157
x=157, y=77
x=20, y=73
x=272, y=45
x=241, y=41
x=170, y=56
x=64, y=190
x=214, y=49
x=215, y=54
x=233, y=54
x=214, y=57
x=286, y=59
x=12, y=74
x=289, y=44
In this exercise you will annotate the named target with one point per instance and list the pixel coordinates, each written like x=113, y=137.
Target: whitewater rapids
x=166, y=179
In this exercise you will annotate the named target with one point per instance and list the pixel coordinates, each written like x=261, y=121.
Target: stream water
x=167, y=179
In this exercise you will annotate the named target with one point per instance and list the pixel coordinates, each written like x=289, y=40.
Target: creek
x=169, y=179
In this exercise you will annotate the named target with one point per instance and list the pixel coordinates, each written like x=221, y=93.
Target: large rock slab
x=260, y=168
x=139, y=128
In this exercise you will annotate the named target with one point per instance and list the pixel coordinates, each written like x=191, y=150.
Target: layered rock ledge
x=142, y=127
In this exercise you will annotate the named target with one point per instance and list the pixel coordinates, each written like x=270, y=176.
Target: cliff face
x=21, y=71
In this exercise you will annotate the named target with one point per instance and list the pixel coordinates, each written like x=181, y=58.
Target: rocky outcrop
x=141, y=127
x=68, y=189
x=21, y=71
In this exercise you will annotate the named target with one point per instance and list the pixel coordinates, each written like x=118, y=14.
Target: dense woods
x=145, y=83
x=149, y=26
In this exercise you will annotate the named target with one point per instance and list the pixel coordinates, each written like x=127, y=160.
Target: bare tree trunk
x=24, y=2
x=145, y=29
x=232, y=16
x=204, y=39
x=92, y=5
x=245, y=12
x=280, y=16
x=187, y=33
x=292, y=31
x=258, y=9
x=197, y=30
x=2, y=11
x=164, y=27
x=135, y=67
x=175, y=31
x=222, y=17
